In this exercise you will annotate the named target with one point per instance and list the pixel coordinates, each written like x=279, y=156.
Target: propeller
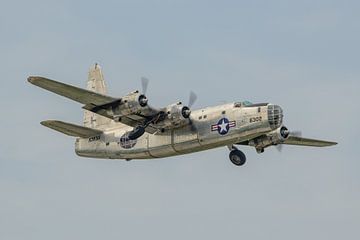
x=296, y=133
x=279, y=147
x=143, y=100
x=186, y=109
x=192, y=99
x=144, y=85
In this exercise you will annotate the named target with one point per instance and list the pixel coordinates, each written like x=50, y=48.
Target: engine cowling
x=134, y=102
x=273, y=138
x=279, y=135
x=177, y=114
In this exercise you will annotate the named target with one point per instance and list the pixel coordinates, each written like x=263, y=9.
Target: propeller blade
x=192, y=126
x=296, y=133
x=144, y=84
x=280, y=146
x=192, y=99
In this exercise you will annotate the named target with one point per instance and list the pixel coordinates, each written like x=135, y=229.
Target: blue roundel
x=223, y=126
x=126, y=143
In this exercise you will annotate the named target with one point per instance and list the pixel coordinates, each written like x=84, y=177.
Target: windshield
x=247, y=103
x=242, y=104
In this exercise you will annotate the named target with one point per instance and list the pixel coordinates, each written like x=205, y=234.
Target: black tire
x=136, y=133
x=237, y=157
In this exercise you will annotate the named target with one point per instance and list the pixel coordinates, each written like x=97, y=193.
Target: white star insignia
x=223, y=126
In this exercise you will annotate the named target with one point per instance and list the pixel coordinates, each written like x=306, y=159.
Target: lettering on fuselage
x=255, y=119
x=95, y=138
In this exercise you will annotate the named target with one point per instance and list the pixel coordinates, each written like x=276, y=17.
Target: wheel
x=136, y=133
x=237, y=157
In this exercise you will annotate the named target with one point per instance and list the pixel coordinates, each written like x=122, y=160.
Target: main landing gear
x=236, y=156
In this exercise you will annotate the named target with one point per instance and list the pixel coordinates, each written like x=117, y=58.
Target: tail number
x=255, y=119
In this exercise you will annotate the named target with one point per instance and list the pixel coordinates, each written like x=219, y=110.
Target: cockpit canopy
x=242, y=104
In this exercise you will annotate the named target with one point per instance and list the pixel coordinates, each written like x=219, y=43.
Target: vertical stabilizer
x=95, y=83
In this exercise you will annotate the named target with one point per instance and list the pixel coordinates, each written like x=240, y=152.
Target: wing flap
x=307, y=142
x=71, y=129
x=77, y=94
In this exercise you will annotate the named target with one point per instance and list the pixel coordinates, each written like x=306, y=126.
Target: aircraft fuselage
x=212, y=127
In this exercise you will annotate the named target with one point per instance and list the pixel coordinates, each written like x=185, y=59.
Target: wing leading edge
x=71, y=129
x=74, y=93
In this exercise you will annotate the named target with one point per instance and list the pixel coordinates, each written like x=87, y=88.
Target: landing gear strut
x=237, y=157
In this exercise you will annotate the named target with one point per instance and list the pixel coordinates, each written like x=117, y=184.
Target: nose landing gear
x=237, y=157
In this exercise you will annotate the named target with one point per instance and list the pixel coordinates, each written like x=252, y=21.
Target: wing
x=71, y=129
x=113, y=108
x=307, y=142
x=74, y=93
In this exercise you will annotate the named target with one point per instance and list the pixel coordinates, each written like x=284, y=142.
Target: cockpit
x=242, y=104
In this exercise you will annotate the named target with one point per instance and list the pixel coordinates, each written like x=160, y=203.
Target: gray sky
x=303, y=55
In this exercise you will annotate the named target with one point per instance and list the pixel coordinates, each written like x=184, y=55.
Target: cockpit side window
x=237, y=104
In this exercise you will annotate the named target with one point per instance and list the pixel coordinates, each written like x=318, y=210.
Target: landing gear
x=259, y=150
x=136, y=133
x=237, y=157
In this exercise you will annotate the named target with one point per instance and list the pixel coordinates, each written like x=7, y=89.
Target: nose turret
x=275, y=116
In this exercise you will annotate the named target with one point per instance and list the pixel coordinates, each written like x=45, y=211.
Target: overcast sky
x=302, y=55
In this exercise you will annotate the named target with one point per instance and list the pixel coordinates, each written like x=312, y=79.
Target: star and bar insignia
x=223, y=126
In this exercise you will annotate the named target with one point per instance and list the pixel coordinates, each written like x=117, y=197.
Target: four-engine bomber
x=129, y=128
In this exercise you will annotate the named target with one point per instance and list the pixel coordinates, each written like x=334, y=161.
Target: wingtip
x=47, y=123
x=31, y=79
x=332, y=144
x=44, y=123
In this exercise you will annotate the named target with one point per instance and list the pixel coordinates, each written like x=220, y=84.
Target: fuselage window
x=205, y=116
x=259, y=109
x=223, y=112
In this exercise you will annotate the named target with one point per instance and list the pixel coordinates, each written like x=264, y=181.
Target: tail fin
x=95, y=83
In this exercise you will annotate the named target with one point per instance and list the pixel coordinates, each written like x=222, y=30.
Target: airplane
x=129, y=128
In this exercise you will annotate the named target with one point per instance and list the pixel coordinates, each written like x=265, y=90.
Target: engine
x=134, y=102
x=177, y=114
x=273, y=138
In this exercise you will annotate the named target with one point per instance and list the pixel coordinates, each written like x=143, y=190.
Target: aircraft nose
x=275, y=116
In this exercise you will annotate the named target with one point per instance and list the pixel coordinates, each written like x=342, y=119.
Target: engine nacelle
x=177, y=114
x=132, y=103
x=279, y=135
x=273, y=138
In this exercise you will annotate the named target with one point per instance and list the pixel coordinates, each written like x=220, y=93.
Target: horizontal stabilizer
x=71, y=129
x=292, y=140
